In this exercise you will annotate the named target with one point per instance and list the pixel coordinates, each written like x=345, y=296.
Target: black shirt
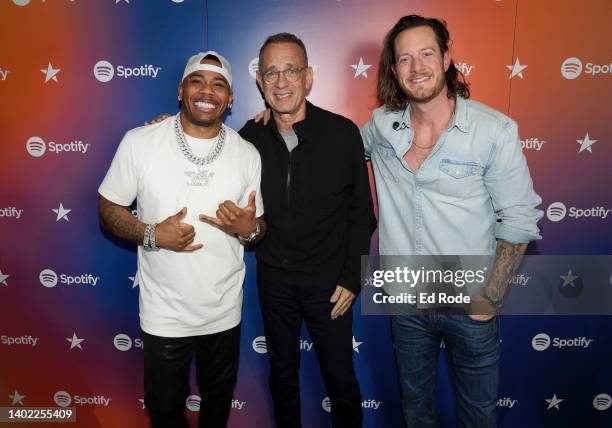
x=317, y=200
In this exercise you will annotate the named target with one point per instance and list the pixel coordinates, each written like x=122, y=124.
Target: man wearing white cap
x=197, y=186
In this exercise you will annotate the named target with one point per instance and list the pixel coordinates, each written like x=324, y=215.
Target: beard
x=424, y=95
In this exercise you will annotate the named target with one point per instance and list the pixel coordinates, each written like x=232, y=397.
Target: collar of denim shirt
x=401, y=138
x=460, y=117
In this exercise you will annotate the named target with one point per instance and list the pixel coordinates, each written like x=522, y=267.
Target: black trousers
x=167, y=363
x=283, y=308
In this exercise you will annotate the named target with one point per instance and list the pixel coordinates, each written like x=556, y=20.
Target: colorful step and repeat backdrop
x=75, y=75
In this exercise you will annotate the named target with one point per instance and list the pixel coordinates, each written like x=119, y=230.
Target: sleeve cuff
x=350, y=283
x=113, y=197
x=514, y=235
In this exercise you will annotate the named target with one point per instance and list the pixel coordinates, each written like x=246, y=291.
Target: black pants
x=283, y=307
x=167, y=362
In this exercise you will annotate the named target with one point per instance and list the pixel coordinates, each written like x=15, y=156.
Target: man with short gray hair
x=319, y=211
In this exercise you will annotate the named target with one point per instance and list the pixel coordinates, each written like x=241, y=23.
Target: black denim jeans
x=284, y=306
x=167, y=362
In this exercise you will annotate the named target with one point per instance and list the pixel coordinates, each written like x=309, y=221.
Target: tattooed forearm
x=508, y=257
x=119, y=221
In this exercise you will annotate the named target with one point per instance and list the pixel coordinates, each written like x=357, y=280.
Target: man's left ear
x=309, y=77
x=231, y=101
x=447, y=60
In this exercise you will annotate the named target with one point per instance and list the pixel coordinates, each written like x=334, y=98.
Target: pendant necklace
x=200, y=177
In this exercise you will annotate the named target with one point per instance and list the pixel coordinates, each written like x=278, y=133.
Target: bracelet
x=152, y=238
x=246, y=240
x=149, y=238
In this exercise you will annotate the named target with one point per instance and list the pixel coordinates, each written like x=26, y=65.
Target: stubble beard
x=413, y=96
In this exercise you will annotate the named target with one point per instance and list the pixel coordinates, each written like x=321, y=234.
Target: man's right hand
x=262, y=115
x=158, y=119
x=172, y=234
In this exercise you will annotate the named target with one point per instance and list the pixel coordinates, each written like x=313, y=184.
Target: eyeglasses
x=291, y=74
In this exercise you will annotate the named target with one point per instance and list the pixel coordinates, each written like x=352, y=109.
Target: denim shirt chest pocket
x=458, y=178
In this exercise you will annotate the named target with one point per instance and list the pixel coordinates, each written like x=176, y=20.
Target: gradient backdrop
x=544, y=63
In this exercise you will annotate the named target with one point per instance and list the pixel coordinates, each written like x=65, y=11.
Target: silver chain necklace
x=200, y=177
x=186, y=150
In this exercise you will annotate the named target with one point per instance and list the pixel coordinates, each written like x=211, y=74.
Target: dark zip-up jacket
x=317, y=200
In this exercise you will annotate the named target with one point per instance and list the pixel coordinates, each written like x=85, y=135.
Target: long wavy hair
x=390, y=93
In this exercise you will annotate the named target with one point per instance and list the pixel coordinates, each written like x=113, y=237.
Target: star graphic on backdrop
x=356, y=345
x=554, y=402
x=62, y=213
x=586, y=143
x=516, y=69
x=569, y=279
x=142, y=402
x=134, y=279
x=17, y=398
x=3, y=278
x=75, y=342
x=50, y=73
x=360, y=69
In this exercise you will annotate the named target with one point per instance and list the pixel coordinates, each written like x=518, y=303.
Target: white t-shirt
x=185, y=293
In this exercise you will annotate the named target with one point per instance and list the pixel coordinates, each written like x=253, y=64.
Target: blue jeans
x=472, y=349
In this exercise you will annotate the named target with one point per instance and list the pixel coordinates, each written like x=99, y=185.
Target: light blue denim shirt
x=473, y=188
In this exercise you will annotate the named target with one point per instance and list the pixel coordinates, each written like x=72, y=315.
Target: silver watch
x=246, y=240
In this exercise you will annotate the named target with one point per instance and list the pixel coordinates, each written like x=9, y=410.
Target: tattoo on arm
x=508, y=257
x=119, y=221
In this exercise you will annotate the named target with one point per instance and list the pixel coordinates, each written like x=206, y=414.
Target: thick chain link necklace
x=200, y=177
x=186, y=150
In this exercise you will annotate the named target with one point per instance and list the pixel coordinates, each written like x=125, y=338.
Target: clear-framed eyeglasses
x=291, y=74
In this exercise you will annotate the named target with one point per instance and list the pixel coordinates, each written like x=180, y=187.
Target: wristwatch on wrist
x=246, y=240
x=496, y=303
